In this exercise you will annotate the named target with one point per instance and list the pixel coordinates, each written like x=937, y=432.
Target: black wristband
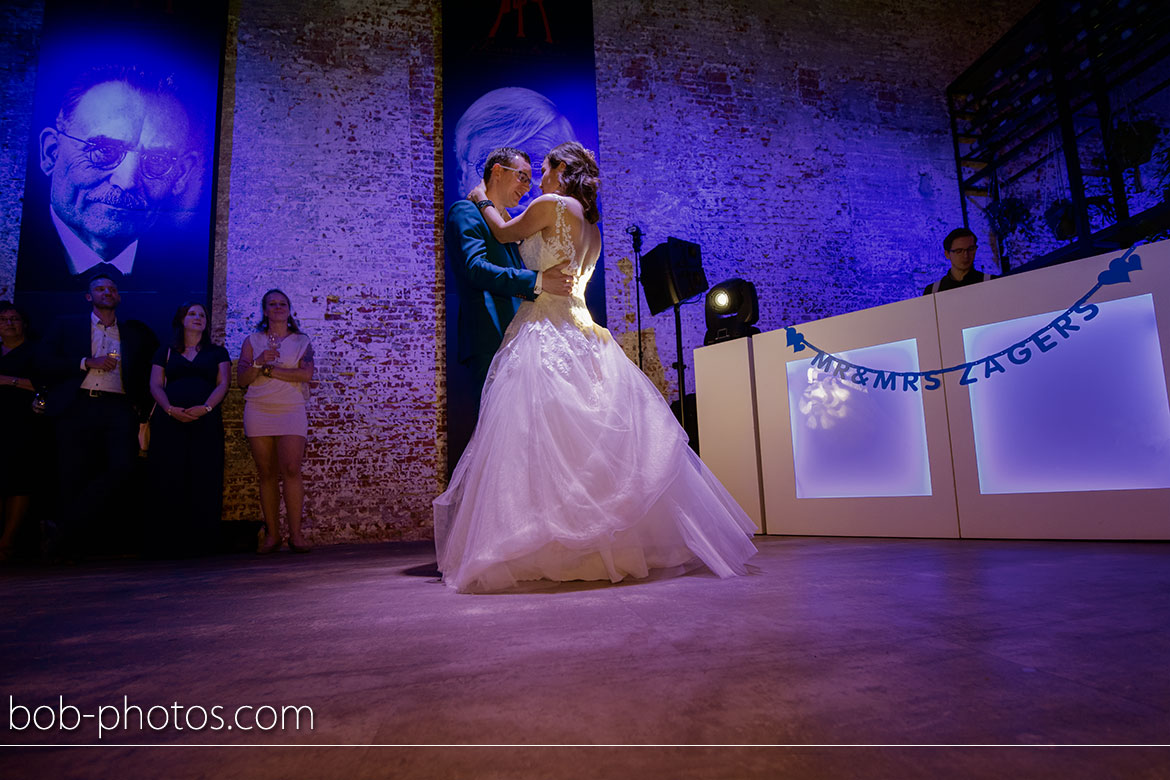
x=483, y=204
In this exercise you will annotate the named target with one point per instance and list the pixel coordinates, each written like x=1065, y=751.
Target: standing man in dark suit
x=491, y=280
x=98, y=369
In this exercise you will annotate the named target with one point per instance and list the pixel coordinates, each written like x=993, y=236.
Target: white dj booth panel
x=1074, y=443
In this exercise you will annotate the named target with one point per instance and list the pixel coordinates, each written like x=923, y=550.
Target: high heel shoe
x=269, y=545
x=299, y=548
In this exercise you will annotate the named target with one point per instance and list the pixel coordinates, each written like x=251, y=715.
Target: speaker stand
x=636, y=234
x=682, y=382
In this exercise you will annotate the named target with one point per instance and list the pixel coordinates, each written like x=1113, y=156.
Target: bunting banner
x=1047, y=338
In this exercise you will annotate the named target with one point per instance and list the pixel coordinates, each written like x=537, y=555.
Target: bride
x=577, y=469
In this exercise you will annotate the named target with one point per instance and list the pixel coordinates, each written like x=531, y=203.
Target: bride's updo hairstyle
x=581, y=177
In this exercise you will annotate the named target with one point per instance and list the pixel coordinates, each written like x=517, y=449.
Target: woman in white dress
x=276, y=366
x=577, y=469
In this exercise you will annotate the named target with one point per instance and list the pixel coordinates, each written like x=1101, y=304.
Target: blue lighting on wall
x=853, y=441
x=1091, y=413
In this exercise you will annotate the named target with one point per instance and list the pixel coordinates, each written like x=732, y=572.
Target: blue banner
x=1049, y=337
x=121, y=156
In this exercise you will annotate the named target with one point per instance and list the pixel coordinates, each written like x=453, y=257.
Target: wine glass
x=274, y=345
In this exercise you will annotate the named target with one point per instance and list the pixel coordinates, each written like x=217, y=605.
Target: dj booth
x=1051, y=422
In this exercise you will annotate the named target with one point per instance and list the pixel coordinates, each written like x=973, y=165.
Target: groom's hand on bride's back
x=556, y=281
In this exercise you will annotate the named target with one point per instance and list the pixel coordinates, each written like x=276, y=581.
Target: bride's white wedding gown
x=577, y=469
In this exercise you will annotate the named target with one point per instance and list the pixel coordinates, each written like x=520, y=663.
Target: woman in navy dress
x=188, y=381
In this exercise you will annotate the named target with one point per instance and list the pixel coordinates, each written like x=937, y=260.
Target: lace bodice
x=540, y=254
x=556, y=311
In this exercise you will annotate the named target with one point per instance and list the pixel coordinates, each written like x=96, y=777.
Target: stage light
x=732, y=309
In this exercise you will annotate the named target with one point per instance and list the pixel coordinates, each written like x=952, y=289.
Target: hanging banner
x=1043, y=340
x=121, y=156
x=516, y=73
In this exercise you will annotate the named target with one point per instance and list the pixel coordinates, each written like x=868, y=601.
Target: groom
x=490, y=280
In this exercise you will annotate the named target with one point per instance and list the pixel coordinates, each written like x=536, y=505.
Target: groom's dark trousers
x=489, y=280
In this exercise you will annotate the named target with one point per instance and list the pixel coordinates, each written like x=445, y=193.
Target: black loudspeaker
x=672, y=273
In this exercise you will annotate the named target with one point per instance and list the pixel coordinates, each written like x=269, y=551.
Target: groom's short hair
x=503, y=156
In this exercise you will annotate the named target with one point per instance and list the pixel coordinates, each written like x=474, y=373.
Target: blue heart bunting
x=795, y=339
x=1118, y=271
x=1119, y=268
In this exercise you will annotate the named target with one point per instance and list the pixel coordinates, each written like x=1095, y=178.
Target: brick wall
x=332, y=198
x=20, y=31
x=804, y=146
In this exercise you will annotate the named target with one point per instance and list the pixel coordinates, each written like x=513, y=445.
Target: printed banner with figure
x=518, y=74
x=121, y=156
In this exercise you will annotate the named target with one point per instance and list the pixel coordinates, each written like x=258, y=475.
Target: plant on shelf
x=1133, y=146
x=1061, y=219
x=1134, y=142
x=1005, y=216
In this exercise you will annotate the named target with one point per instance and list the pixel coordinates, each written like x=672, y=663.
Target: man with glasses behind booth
x=122, y=180
x=960, y=250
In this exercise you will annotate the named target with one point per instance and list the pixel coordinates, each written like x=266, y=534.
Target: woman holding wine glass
x=276, y=366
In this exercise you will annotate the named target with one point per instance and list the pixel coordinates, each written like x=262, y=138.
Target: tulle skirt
x=578, y=471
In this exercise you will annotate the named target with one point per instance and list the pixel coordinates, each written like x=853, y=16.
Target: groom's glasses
x=524, y=178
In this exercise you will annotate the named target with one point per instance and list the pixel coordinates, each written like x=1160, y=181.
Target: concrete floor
x=830, y=642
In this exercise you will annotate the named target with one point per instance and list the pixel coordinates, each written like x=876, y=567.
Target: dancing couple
x=577, y=469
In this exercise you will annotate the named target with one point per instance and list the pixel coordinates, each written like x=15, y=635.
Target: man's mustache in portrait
x=119, y=198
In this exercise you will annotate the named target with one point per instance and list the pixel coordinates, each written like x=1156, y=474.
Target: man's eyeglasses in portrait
x=108, y=154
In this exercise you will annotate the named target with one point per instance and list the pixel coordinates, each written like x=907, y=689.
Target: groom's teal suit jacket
x=489, y=277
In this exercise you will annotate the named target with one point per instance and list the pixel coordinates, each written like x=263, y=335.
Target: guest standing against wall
x=276, y=366
x=21, y=457
x=189, y=379
x=97, y=366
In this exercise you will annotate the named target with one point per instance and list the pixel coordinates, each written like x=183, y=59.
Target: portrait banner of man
x=121, y=155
